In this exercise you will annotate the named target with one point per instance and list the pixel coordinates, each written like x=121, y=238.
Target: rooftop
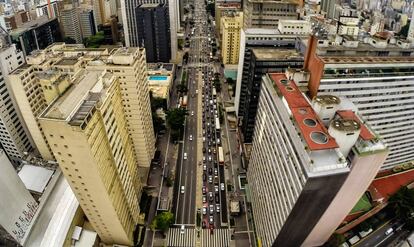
x=311, y=127
x=345, y=124
x=35, y=178
x=149, y=5
x=66, y=62
x=67, y=103
x=365, y=133
x=274, y=53
x=30, y=25
x=327, y=99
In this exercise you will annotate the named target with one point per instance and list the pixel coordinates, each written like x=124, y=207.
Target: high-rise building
x=222, y=7
x=87, y=130
x=17, y=204
x=154, y=31
x=71, y=24
x=87, y=23
x=262, y=61
x=377, y=79
x=110, y=31
x=231, y=23
x=14, y=137
x=266, y=14
x=51, y=71
x=99, y=14
x=36, y=35
x=129, y=21
x=328, y=8
x=256, y=38
x=323, y=169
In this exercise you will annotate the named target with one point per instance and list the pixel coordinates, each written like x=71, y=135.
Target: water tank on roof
x=345, y=132
x=326, y=106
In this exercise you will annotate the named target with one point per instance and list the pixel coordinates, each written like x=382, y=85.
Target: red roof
x=301, y=111
x=365, y=134
x=389, y=185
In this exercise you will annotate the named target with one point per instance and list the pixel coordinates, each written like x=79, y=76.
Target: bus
x=220, y=155
x=217, y=124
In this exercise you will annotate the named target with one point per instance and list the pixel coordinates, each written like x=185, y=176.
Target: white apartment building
x=71, y=24
x=14, y=137
x=301, y=172
x=300, y=27
x=380, y=86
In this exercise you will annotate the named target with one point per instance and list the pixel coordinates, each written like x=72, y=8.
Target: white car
x=216, y=189
x=204, y=210
x=205, y=167
x=191, y=137
x=182, y=189
x=218, y=208
x=192, y=113
x=185, y=156
x=211, y=209
x=182, y=229
x=222, y=186
x=209, y=158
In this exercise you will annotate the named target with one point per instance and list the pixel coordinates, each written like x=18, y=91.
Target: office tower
x=256, y=38
x=110, y=31
x=266, y=14
x=14, y=137
x=17, y=204
x=129, y=21
x=49, y=8
x=316, y=164
x=99, y=11
x=87, y=23
x=231, y=24
x=154, y=31
x=36, y=34
x=71, y=25
x=377, y=79
x=87, y=131
x=328, y=8
x=262, y=61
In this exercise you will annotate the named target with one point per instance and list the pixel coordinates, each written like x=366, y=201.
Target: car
x=209, y=143
x=210, y=196
x=204, y=190
x=182, y=229
x=204, y=210
x=210, y=179
x=208, y=124
x=217, y=199
x=204, y=150
x=222, y=186
x=204, y=199
x=204, y=158
x=204, y=138
x=214, y=151
x=190, y=138
x=211, y=219
x=210, y=170
x=218, y=141
x=209, y=158
x=182, y=189
x=216, y=188
x=211, y=209
x=209, y=151
x=185, y=156
x=204, y=167
x=218, y=208
x=215, y=172
x=389, y=231
x=192, y=113
x=204, y=177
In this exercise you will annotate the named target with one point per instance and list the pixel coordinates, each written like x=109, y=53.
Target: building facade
x=154, y=30
x=36, y=35
x=231, y=24
x=262, y=61
x=87, y=23
x=129, y=20
x=14, y=137
x=304, y=175
x=266, y=14
x=71, y=24
x=87, y=130
x=378, y=80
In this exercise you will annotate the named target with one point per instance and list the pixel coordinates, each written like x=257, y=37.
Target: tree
x=404, y=30
x=69, y=40
x=95, y=41
x=163, y=221
x=181, y=88
x=210, y=8
x=176, y=118
x=403, y=204
x=217, y=84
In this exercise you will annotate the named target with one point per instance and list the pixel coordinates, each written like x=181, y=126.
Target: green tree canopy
x=403, y=204
x=163, y=221
x=95, y=41
x=176, y=118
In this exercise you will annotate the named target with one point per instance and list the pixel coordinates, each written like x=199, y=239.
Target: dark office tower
x=263, y=61
x=36, y=35
x=154, y=31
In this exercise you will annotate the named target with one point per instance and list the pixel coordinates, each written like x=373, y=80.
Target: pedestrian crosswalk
x=176, y=238
x=217, y=238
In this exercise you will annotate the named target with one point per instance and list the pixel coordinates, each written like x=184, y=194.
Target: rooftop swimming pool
x=158, y=77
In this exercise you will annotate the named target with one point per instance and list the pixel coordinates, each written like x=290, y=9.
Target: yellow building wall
x=231, y=31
